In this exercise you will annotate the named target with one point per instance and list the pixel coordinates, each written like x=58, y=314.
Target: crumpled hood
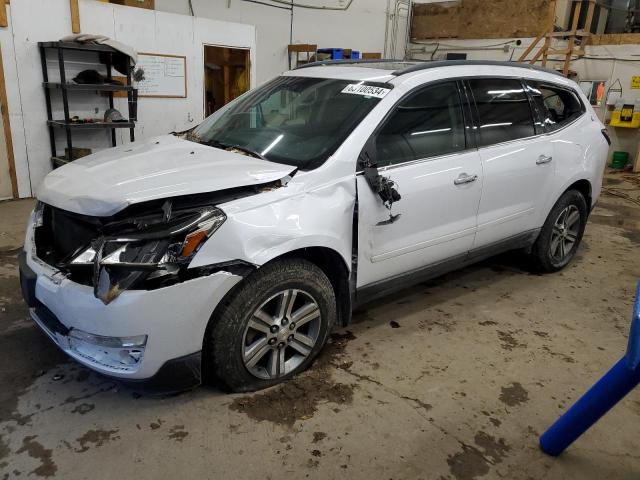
x=104, y=183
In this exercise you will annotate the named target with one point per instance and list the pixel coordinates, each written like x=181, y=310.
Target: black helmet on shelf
x=113, y=115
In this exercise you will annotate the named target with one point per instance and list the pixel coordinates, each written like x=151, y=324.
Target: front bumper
x=173, y=319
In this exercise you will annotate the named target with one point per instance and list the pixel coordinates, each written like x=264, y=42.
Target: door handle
x=542, y=159
x=464, y=178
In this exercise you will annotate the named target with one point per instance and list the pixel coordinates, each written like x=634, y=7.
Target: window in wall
x=503, y=109
x=558, y=106
x=427, y=124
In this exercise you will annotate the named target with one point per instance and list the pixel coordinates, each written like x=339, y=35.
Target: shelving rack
x=66, y=87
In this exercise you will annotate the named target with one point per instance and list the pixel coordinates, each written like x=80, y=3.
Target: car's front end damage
x=120, y=293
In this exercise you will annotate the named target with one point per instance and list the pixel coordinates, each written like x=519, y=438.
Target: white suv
x=230, y=251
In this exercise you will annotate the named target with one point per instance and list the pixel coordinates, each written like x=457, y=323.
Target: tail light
x=606, y=136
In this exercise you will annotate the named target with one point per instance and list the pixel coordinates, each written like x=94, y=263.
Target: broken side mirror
x=383, y=186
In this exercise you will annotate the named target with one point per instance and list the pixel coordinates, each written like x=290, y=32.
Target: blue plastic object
x=633, y=347
x=601, y=397
x=336, y=53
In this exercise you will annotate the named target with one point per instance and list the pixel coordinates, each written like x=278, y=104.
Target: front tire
x=561, y=233
x=271, y=327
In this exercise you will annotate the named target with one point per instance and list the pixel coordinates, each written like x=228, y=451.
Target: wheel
x=271, y=327
x=561, y=233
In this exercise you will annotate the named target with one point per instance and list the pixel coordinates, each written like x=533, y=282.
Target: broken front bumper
x=150, y=336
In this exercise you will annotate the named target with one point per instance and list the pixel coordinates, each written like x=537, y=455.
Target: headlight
x=146, y=248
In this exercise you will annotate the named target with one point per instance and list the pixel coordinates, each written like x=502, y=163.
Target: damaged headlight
x=147, y=248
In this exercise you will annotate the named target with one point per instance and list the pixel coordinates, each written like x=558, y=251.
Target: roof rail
x=417, y=65
x=448, y=63
x=353, y=61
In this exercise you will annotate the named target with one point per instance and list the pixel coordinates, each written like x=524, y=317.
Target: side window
x=558, y=106
x=503, y=109
x=427, y=124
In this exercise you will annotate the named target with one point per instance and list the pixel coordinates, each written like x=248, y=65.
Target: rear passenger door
x=517, y=160
x=423, y=147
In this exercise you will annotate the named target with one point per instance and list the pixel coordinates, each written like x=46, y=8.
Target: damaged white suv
x=231, y=251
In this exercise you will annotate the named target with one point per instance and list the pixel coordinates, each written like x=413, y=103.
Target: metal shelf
x=59, y=161
x=89, y=125
x=91, y=87
x=105, y=55
x=91, y=47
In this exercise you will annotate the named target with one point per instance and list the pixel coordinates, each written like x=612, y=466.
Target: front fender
x=322, y=217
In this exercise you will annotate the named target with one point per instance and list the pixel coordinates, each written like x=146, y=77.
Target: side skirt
x=387, y=286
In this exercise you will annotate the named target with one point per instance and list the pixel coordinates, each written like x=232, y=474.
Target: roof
x=397, y=68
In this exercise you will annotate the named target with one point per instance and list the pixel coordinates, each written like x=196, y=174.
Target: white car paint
x=108, y=181
x=438, y=219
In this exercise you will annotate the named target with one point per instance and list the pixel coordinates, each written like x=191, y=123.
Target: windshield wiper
x=227, y=146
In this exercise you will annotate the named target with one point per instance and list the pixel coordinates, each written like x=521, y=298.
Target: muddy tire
x=561, y=233
x=270, y=327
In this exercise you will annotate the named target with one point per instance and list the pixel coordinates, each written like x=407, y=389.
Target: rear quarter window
x=557, y=106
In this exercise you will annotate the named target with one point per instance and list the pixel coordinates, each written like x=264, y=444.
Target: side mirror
x=383, y=186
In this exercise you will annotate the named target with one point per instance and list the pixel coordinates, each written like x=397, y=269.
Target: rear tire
x=271, y=327
x=561, y=233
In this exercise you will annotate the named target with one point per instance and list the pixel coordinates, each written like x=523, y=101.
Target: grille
x=63, y=234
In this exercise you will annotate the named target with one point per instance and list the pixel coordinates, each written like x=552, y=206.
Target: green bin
x=619, y=160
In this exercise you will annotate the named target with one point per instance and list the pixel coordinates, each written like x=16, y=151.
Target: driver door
x=422, y=147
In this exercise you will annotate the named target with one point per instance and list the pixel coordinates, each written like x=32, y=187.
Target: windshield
x=298, y=121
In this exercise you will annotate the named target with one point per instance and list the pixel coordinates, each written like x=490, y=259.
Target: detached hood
x=104, y=183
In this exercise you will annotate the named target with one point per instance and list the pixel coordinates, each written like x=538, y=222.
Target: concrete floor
x=452, y=379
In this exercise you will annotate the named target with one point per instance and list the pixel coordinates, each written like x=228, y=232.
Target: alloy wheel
x=564, y=234
x=281, y=334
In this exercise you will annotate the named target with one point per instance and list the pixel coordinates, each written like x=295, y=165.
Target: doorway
x=226, y=75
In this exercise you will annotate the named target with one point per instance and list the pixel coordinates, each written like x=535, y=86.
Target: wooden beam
x=4, y=18
x=6, y=125
x=548, y=30
x=536, y=56
x=75, y=16
x=302, y=48
x=530, y=47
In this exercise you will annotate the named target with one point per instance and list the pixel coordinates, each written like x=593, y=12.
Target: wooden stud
x=545, y=50
x=587, y=28
x=75, y=16
x=577, y=6
x=4, y=18
x=4, y=111
x=226, y=75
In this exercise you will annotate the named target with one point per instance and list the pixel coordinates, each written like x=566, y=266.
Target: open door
x=226, y=76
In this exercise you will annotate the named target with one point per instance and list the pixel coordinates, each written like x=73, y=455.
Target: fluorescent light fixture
x=272, y=144
x=505, y=124
x=425, y=132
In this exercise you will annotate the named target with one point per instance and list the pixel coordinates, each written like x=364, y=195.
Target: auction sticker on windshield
x=366, y=90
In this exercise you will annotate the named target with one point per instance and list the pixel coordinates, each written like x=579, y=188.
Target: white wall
x=145, y=30
x=361, y=27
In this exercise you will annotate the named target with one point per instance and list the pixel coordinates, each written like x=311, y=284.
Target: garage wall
x=145, y=30
x=361, y=27
x=479, y=18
